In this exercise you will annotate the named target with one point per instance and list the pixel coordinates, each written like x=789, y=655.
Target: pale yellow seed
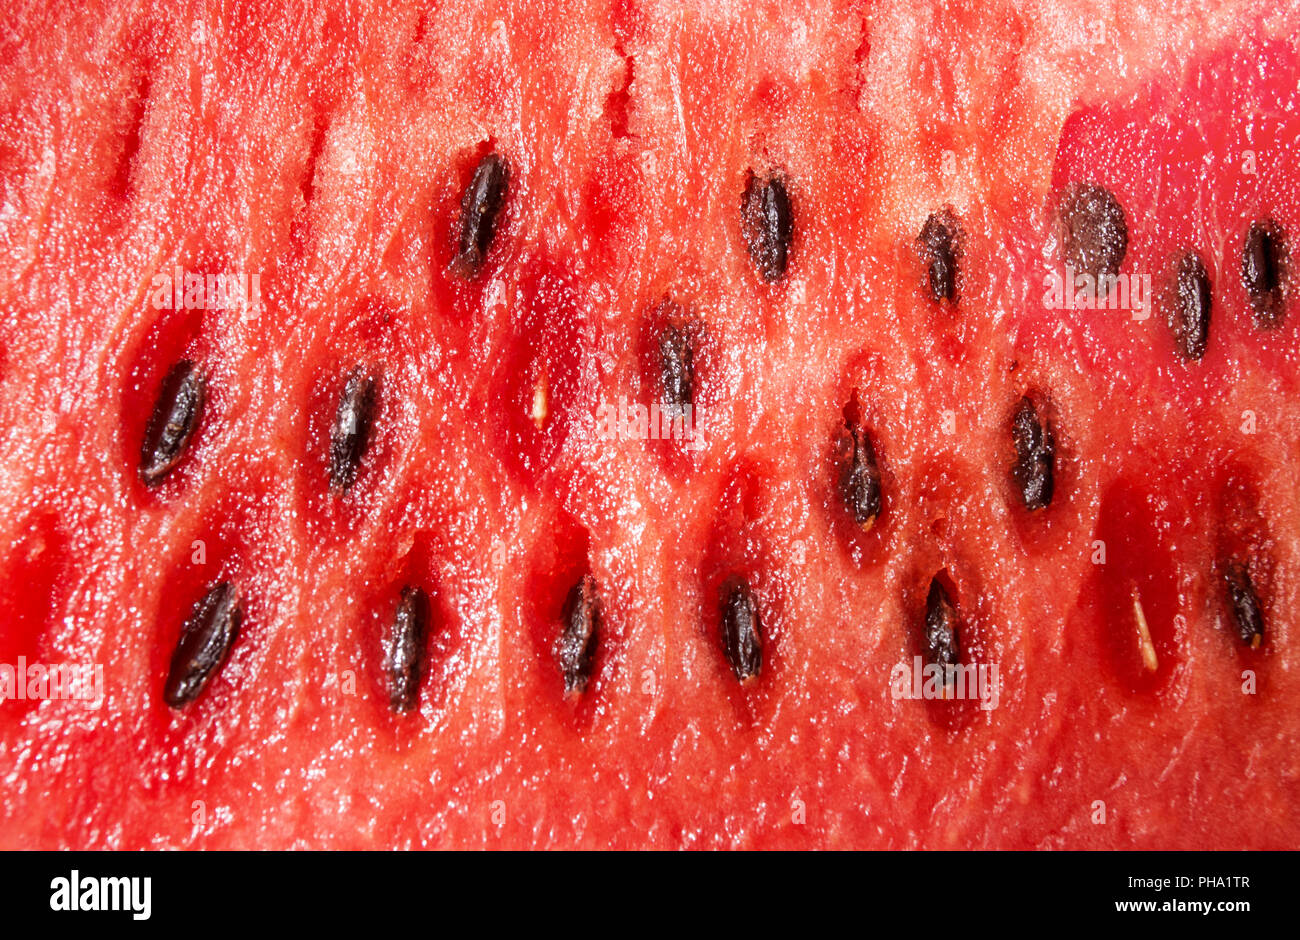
x=1145, y=646
x=541, y=401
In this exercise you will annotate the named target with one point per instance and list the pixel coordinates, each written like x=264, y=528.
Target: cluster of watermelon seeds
x=1095, y=238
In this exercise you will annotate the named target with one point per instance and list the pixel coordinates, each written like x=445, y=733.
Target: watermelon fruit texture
x=328, y=151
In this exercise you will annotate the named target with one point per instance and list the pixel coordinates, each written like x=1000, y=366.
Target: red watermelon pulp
x=474, y=595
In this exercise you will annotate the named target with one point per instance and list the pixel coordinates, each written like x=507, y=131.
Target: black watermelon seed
x=1034, y=468
x=1190, y=318
x=941, y=644
x=480, y=208
x=404, y=647
x=206, y=639
x=1096, y=234
x=742, y=638
x=860, y=475
x=580, y=632
x=1244, y=604
x=350, y=433
x=677, y=367
x=1263, y=257
x=176, y=417
x=938, y=240
x=767, y=223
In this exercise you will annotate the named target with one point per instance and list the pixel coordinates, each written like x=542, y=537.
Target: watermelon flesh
x=328, y=155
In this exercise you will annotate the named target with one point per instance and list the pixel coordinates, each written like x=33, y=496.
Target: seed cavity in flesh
x=938, y=241
x=580, y=632
x=1035, y=464
x=1243, y=601
x=767, y=223
x=350, y=433
x=860, y=475
x=205, y=642
x=676, y=368
x=1190, y=317
x=176, y=417
x=941, y=642
x=1263, y=257
x=1096, y=234
x=404, y=649
x=480, y=209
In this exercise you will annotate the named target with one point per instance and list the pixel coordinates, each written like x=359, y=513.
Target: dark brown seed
x=1034, y=468
x=942, y=639
x=1096, y=234
x=579, y=635
x=1190, y=318
x=1244, y=604
x=404, y=646
x=350, y=433
x=767, y=223
x=206, y=639
x=860, y=475
x=176, y=417
x=1263, y=260
x=677, y=367
x=480, y=208
x=938, y=240
x=742, y=636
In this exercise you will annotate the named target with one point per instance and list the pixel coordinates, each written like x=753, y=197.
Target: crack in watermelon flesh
x=321, y=159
